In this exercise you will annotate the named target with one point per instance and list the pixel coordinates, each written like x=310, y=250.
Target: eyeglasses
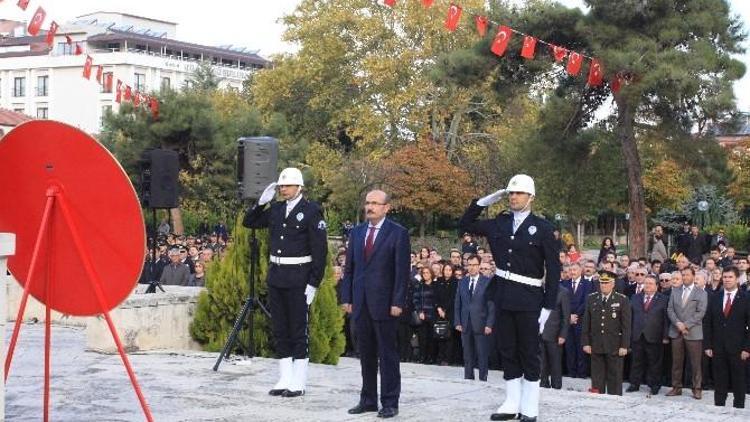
x=374, y=203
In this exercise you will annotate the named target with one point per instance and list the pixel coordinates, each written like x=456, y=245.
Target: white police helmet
x=290, y=176
x=521, y=183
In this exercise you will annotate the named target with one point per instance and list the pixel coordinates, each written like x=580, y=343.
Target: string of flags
x=499, y=46
x=123, y=92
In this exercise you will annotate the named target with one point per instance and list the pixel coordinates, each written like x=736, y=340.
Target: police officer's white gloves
x=491, y=198
x=310, y=294
x=543, y=318
x=268, y=193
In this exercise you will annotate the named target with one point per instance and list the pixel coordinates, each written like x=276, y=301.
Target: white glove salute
x=491, y=198
x=310, y=294
x=543, y=318
x=268, y=193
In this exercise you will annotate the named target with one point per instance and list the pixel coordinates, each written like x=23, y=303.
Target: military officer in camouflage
x=606, y=335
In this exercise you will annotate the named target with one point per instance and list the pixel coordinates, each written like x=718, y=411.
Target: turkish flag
x=154, y=108
x=427, y=3
x=454, y=14
x=595, y=73
x=128, y=93
x=574, y=63
x=36, y=21
x=23, y=4
x=389, y=2
x=559, y=52
x=529, y=46
x=482, y=23
x=87, y=67
x=118, y=92
x=502, y=38
x=108, y=82
x=53, y=27
x=136, y=99
x=68, y=40
x=79, y=50
x=616, y=83
x=99, y=72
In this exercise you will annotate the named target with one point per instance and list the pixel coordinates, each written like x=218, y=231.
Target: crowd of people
x=667, y=294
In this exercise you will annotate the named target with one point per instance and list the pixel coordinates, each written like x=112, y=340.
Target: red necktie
x=648, y=303
x=369, y=242
x=728, y=305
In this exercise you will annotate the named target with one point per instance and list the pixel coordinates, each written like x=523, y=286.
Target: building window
x=19, y=87
x=140, y=82
x=20, y=110
x=64, y=49
x=42, y=84
x=105, y=77
x=42, y=113
x=165, y=84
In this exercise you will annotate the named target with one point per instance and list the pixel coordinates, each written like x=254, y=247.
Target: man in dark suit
x=374, y=293
x=527, y=278
x=649, y=333
x=474, y=318
x=298, y=248
x=606, y=335
x=553, y=337
x=726, y=338
x=579, y=289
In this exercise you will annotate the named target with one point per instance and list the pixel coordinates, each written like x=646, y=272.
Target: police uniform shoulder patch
x=532, y=230
x=300, y=216
x=322, y=225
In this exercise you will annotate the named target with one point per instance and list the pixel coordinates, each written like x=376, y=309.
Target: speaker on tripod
x=256, y=168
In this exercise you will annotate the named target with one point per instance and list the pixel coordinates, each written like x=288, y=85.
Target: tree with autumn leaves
x=423, y=181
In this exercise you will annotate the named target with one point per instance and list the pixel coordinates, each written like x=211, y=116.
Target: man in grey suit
x=686, y=308
x=553, y=337
x=474, y=318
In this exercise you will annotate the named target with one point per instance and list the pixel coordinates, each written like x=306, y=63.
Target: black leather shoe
x=387, y=412
x=288, y=393
x=631, y=388
x=504, y=416
x=525, y=418
x=360, y=408
x=277, y=392
x=544, y=384
x=655, y=391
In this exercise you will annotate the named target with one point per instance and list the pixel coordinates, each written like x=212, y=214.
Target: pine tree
x=227, y=287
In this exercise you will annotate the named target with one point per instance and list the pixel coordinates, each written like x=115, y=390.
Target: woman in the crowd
x=424, y=305
x=573, y=254
x=715, y=283
x=446, y=296
x=607, y=247
x=199, y=277
x=424, y=253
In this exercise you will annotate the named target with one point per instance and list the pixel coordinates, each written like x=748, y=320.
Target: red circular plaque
x=103, y=206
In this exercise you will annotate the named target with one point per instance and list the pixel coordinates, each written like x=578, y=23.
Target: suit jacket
x=730, y=334
x=531, y=251
x=691, y=314
x=653, y=323
x=606, y=327
x=479, y=306
x=381, y=281
x=558, y=323
x=578, y=298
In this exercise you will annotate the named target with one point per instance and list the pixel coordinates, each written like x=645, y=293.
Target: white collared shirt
x=518, y=217
x=290, y=204
x=377, y=229
x=731, y=297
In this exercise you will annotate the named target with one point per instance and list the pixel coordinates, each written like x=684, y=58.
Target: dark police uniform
x=529, y=252
x=301, y=235
x=606, y=328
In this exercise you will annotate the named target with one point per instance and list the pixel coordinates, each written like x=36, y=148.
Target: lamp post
x=627, y=231
x=703, y=207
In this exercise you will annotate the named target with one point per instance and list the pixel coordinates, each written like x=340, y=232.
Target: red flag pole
x=43, y=226
x=96, y=284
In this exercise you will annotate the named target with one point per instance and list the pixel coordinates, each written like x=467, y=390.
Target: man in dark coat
x=526, y=283
x=553, y=338
x=649, y=333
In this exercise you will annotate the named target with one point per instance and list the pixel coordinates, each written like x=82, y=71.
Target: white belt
x=536, y=282
x=290, y=260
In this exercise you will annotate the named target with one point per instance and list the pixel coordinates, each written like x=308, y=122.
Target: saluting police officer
x=298, y=249
x=606, y=335
x=526, y=283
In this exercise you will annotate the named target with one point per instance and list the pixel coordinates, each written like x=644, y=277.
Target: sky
x=255, y=23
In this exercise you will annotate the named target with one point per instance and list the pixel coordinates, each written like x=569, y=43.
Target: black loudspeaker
x=159, y=178
x=256, y=165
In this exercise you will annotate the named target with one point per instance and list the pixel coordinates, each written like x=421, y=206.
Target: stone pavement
x=88, y=386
